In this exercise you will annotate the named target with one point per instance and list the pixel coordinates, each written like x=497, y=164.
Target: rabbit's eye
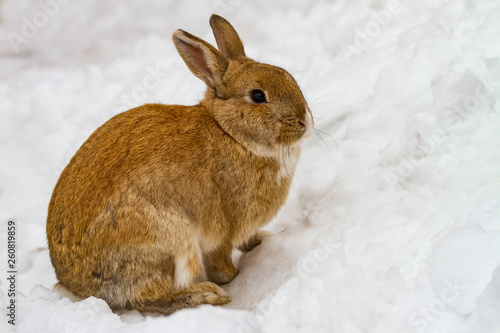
x=258, y=96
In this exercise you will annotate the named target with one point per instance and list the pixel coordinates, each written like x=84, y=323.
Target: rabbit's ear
x=203, y=59
x=228, y=41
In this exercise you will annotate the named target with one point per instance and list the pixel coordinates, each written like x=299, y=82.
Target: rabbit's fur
x=161, y=194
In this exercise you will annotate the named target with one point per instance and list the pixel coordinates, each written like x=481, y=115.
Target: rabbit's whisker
x=319, y=134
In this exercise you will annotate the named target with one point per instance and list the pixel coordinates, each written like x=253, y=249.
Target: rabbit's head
x=259, y=105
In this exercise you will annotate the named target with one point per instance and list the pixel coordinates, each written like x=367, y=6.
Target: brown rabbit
x=161, y=194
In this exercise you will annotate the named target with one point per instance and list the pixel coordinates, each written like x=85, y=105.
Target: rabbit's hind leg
x=186, y=297
x=182, y=289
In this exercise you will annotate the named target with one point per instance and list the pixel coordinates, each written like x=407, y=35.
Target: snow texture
x=393, y=221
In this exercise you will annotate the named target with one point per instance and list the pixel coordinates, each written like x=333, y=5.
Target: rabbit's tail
x=188, y=297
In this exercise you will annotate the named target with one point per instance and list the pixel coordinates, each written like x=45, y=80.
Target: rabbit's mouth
x=308, y=124
x=295, y=129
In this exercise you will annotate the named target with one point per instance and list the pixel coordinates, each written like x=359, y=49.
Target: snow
x=393, y=221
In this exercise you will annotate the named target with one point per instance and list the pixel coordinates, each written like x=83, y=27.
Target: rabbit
x=148, y=211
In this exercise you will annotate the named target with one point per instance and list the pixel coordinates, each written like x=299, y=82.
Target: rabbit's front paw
x=219, y=266
x=222, y=276
x=255, y=240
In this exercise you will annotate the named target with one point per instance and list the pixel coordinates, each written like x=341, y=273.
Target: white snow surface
x=393, y=221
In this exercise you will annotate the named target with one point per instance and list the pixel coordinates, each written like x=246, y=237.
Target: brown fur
x=162, y=193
